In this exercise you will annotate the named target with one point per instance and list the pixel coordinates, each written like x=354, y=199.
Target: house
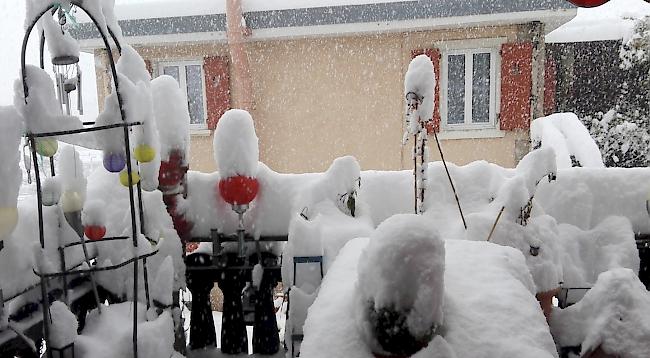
x=583, y=72
x=323, y=81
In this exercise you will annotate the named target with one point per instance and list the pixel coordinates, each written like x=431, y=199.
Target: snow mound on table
x=171, y=116
x=63, y=329
x=490, y=309
x=612, y=315
x=566, y=134
x=402, y=268
x=235, y=133
x=586, y=254
x=420, y=79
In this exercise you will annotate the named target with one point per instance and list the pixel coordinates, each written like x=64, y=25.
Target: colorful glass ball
x=114, y=162
x=144, y=153
x=95, y=232
x=238, y=190
x=8, y=221
x=588, y=3
x=124, y=178
x=46, y=147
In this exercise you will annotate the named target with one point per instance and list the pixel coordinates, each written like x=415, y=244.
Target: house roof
x=151, y=20
x=611, y=21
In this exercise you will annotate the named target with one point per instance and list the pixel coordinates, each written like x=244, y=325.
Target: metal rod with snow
x=90, y=251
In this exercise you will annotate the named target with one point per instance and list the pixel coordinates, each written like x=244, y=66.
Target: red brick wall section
x=217, y=88
x=434, y=55
x=516, y=85
x=550, y=86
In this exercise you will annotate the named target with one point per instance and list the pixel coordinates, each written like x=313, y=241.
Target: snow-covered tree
x=623, y=133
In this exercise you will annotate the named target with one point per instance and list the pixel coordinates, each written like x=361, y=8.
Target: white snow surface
x=402, y=268
x=235, y=144
x=59, y=42
x=163, y=284
x=171, y=115
x=612, y=315
x=611, y=21
x=566, y=134
x=11, y=127
x=70, y=171
x=63, y=329
x=93, y=213
x=490, y=309
x=420, y=79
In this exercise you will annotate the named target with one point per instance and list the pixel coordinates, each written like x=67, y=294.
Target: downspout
x=237, y=32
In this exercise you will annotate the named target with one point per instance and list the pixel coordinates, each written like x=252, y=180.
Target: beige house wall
x=316, y=99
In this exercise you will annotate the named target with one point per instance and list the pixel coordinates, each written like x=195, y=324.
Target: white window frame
x=469, y=48
x=181, y=64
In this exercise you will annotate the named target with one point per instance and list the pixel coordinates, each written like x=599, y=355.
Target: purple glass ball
x=114, y=162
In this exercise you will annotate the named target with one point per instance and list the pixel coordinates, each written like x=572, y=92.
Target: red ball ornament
x=588, y=3
x=239, y=190
x=95, y=232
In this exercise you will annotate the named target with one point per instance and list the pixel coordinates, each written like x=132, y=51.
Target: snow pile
x=402, y=270
x=420, y=82
x=566, y=134
x=70, y=171
x=59, y=42
x=93, y=213
x=489, y=310
x=63, y=329
x=162, y=288
x=235, y=133
x=10, y=174
x=172, y=116
x=586, y=254
x=42, y=112
x=110, y=334
x=612, y=316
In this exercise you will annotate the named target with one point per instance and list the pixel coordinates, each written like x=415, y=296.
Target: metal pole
x=451, y=182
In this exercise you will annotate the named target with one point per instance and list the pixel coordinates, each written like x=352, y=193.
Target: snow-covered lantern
x=50, y=191
x=46, y=147
x=71, y=201
x=144, y=153
x=114, y=162
x=588, y=3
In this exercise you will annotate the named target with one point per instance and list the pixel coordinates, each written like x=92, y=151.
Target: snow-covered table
x=490, y=308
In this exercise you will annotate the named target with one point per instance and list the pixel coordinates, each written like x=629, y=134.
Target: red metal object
x=587, y=3
x=172, y=171
x=182, y=226
x=95, y=232
x=238, y=190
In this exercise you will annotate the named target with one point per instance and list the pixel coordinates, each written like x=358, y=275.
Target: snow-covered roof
x=145, y=19
x=611, y=21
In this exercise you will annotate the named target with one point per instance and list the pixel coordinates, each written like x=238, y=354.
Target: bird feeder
x=239, y=191
x=588, y=3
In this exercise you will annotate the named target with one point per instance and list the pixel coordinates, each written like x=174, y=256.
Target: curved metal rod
x=96, y=269
x=117, y=43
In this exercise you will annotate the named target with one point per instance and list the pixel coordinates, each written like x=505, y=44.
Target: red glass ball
x=95, y=232
x=588, y=3
x=239, y=190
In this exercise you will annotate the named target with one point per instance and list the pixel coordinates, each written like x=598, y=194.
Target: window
x=469, y=89
x=189, y=75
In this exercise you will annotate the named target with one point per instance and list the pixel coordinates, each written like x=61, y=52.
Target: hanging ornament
x=46, y=147
x=114, y=162
x=124, y=178
x=8, y=221
x=588, y=3
x=95, y=232
x=71, y=202
x=238, y=190
x=144, y=153
x=50, y=192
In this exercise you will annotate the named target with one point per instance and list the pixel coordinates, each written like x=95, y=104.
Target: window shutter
x=434, y=55
x=217, y=88
x=516, y=85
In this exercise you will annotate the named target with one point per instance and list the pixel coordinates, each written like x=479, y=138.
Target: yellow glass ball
x=124, y=178
x=71, y=201
x=144, y=153
x=8, y=221
x=46, y=147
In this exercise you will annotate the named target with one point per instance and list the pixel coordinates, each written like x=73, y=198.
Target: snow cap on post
x=401, y=275
x=236, y=145
x=172, y=116
x=419, y=86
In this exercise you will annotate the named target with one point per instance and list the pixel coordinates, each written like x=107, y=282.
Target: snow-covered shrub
x=401, y=285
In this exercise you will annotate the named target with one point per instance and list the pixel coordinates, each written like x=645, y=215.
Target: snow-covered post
x=63, y=332
x=401, y=286
x=419, y=87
